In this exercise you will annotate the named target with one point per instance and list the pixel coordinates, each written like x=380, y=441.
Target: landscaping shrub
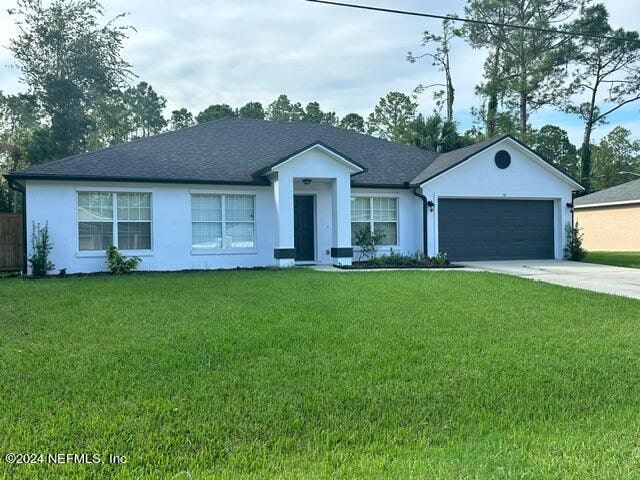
x=369, y=242
x=574, y=250
x=118, y=264
x=441, y=258
x=393, y=259
x=41, y=246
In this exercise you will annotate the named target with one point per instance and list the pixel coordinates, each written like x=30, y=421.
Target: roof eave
x=95, y=178
x=354, y=166
x=607, y=204
x=420, y=182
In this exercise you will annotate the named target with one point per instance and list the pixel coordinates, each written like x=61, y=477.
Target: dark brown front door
x=304, y=227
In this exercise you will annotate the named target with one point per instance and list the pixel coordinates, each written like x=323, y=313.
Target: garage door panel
x=479, y=229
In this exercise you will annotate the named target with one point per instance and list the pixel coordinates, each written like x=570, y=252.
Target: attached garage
x=496, y=229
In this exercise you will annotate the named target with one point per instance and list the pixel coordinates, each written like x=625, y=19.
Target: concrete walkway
x=588, y=276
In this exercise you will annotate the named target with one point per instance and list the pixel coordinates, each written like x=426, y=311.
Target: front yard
x=303, y=374
x=618, y=259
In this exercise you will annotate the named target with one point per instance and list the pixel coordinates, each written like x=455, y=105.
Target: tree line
x=82, y=95
x=544, y=64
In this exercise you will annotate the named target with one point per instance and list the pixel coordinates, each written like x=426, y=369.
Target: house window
x=120, y=219
x=379, y=214
x=222, y=221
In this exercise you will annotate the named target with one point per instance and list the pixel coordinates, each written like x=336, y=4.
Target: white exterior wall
x=322, y=168
x=479, y=177
x=56, y=203
x=410, y=236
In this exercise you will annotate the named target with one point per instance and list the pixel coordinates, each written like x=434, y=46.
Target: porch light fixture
x=430, y=204
x=306, y=181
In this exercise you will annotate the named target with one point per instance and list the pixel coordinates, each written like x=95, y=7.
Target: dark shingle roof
x=448, y=160
x=238, y=151
x=233, y=149
x=627, y=192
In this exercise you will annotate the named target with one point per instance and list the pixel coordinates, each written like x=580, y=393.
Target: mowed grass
x=304, y=374
x=619, y=259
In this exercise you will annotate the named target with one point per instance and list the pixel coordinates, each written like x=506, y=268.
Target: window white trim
x=223, y=194
x=114, y=221
x=114, y=190
x=371, y=196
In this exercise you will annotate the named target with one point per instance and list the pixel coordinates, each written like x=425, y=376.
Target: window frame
x=114, y=191
x=370, y=197
x=223, y=194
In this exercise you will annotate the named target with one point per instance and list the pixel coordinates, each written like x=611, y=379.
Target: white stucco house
x=245, y=193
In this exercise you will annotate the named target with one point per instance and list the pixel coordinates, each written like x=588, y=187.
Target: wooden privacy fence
x=10, y=241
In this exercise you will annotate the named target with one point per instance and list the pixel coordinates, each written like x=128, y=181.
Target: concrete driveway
x=588, y=276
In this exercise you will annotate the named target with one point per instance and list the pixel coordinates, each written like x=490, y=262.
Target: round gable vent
x=503, y=159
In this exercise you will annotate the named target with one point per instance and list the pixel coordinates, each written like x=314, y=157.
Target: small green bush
x=574, y=250
x=41, y=247
x=418, y=259
x=441, y=258
x=393, y=258
x=118, y=264
x=369, y=242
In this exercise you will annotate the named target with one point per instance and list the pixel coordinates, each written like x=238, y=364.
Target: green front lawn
x=619, y=259
x=303, y=374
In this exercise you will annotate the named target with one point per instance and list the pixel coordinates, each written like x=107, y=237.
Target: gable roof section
x=241, y=151
x=626, y=193
x=446, y=161
x=354, y=166
x=231, y=151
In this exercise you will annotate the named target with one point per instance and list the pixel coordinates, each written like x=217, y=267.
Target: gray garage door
x=495, y=229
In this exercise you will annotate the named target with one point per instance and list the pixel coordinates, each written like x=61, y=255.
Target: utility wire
x=477, y=22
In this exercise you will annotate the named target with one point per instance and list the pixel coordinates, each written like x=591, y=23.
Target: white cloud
x=199, y=52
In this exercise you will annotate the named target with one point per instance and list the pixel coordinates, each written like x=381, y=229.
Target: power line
x=477, y=22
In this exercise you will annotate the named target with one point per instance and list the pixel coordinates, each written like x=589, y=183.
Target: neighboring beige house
x=610, y=218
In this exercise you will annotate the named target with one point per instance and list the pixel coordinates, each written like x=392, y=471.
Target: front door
x=304, y=228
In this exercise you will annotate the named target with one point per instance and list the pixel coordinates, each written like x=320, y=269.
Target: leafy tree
x=215, y=112
x=68, y=59
x=553, y=144
x=280, y=109
x=17, y=112
x=615, y=153
x=283, y=109
x=492, y=89
x=435, y=134
x=19, y=129
x=297, y=113
x=313, y=113
x=330, y=118
x=608, y=71
x=535, y=61
x=353, y=121
x=440, y=58
x=251, y=110
x=392, y=117
x=181, y=118
x=112, y=121
x=146, y=107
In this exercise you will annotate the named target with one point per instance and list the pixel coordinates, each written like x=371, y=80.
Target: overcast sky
x=199, y=52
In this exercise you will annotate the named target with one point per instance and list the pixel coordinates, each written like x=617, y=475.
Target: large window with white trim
x=378, y=214
x=222, y=221
x=109, y=218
